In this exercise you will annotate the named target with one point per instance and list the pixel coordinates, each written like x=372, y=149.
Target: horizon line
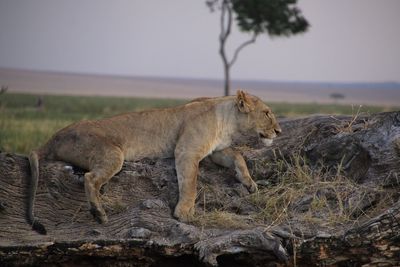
x=153, y=77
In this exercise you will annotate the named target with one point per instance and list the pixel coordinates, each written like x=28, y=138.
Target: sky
x=349, y=40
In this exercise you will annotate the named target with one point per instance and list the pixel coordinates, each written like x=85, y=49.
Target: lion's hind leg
x=104, y=168
x=230, y=158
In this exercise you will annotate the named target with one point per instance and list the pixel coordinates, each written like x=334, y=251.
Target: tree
x=274, y=17
x=337, y=96
x=3, y=89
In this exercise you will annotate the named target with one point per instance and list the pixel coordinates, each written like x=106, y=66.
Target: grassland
x=23, y=126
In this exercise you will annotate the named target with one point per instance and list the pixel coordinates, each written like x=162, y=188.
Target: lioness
x=189, y=133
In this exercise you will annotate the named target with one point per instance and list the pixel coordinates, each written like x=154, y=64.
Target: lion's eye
x=268, y=114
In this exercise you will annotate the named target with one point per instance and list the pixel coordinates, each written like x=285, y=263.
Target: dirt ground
x=387, y=94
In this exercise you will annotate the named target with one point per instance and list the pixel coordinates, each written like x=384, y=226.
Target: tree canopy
x=275, y=17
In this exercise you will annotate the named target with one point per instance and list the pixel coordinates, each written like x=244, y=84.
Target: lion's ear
x=244, y=102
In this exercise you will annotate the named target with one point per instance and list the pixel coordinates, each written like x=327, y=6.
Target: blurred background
x=62, y=61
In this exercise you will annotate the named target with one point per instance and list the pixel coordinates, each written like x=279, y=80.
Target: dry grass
x=217, y=217
x=353, y=124
x=310, y=197
x=315, y=195
x=221, y=219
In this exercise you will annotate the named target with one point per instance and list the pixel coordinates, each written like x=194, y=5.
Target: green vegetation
x=24, y=127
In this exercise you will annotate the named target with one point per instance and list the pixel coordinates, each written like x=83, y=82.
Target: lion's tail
x=36, y=225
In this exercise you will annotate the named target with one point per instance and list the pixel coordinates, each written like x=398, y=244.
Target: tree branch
x=225, y=29
x=243, y=45
x=225, y=32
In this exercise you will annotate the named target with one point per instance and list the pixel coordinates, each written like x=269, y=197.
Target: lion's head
x=254, y=115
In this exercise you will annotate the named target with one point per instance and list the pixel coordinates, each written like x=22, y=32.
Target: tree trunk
x=227, y=82
x=226, y=25
x=353, y=164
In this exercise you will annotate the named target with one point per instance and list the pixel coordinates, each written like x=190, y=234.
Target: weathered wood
x=140, y=199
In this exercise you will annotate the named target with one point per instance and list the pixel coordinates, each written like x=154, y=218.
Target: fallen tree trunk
x=334, y=182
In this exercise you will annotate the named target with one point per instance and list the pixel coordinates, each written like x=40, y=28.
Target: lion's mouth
x=262, y=136
x=265, y=139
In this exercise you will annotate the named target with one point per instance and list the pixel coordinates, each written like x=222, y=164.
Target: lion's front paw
x=184, y=214
x=252, y=187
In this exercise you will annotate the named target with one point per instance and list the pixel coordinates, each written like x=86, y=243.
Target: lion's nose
x=278, y=131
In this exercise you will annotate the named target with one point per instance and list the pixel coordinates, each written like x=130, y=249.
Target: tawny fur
x=190, y=132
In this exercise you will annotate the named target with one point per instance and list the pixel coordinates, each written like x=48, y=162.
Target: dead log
x=345, y=211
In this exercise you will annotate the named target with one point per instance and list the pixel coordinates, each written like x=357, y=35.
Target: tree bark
x=226, y=25
x=140, y=200
x=227, y=81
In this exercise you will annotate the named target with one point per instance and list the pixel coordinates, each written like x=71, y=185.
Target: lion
x=189, y=133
